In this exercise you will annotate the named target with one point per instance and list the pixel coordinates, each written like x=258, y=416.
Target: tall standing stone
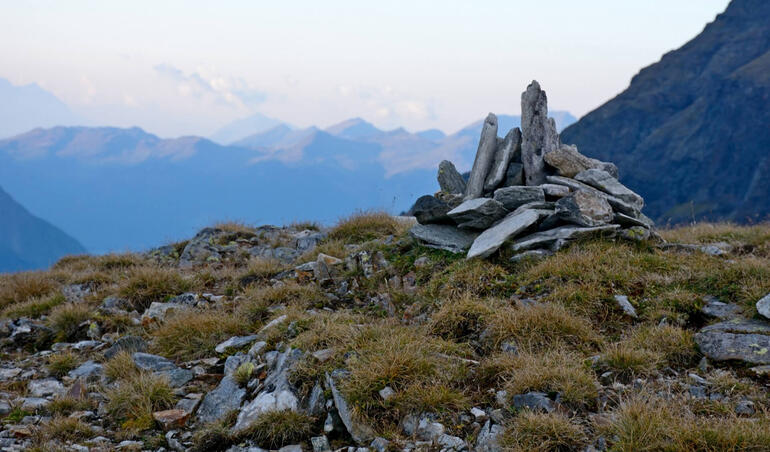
x=449, y=179
x=538, y=131
x=485, y=155
x=503, y=157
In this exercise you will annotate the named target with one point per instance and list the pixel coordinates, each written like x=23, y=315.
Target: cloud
x=218, y=88
x=387, y=104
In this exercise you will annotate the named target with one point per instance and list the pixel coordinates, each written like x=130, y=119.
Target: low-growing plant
x=34, y=307
x=463, y=318
x=120, y=367
x=20, y=287
x=66, y=405
x=364, y=226
x=243, y=373
x=194, y=334
x=65, y=429
x=66, y=320
x=59, y=364
x=216, y=435
x=147, y=284
x=135, y=398
x=543, y=432
x=275, y=429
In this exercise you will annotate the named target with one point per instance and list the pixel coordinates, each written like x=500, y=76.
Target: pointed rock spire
x=538, y=131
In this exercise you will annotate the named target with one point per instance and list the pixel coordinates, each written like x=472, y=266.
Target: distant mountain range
x=692, y=132
x=119, y=189
x=27, y=242
x=25, y=107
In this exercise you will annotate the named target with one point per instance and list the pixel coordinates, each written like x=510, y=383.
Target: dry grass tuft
x=136, y=397
x=365, y=226
x=66, y=319
x=59, y=364
x=65, y=429
x=543, y=432
x=260, y=270
x=120, y=367
x=477, y=278
x=194, y=334
x=463, y=318
x=148, y=284
x=276, y=429
x=20, y=287
x=34, y=307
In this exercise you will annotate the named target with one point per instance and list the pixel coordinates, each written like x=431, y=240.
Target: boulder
x=736, y=340
x=763, y=306
x=126, y=344
x=625, y=305
x=513, y=197
x=478, y=213
x=503, y=156
x=555, y=239
x=539, y=136
x=536, y=401
x=225, y=398
x=235, y=343
x=584, y=208
x=449, y=179
x=280, y=400
x=514, y=175
x=493, y=238
x=360, y=432
x=443, y=237
x=427, y=209
x=715, y=308
x=45, y=388
x=484, y=157
x=555, y=191
x=487, y=440
x=605, y=182
x=568, y=162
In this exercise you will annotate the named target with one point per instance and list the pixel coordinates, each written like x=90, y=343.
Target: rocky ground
x=358, y=338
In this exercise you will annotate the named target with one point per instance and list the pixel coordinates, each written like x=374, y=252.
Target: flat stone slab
x=513, y=197
x=605, y=182
x=222, y=400
x=584, y=208
x=443, y=237
x=493, y=238
x=618, y=204
x=554, y=239
x=721, y=346
x=478, y=213
x=569, y=162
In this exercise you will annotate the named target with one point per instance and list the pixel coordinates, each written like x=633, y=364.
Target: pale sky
x=189, y=67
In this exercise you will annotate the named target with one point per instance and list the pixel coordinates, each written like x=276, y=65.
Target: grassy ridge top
x=445, y=334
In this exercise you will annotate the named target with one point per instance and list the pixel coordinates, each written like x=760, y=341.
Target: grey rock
x=514, y=197
x=115, y=303
x=128, y=344
x=89, y=370
x=478, y=213
x=625, y=305
x=279, y=400
x=555, y=239
x=584, y=209
x=763, y=306
x=629, y=221
x=538, y=133
x=605, y=182
x=159, y=311
x=554, y=190
x=443, y=237
x=569, y=162
x=503, y=156
x=745, y=408
x=257, y=348
x=316, y=402
x=200, y=249
x=233, y=362
x=188, y=404
x=715, y=308
x=712, y=249
x=34, y=404
x=487, y=440
x=449, y=179
x=387, y=392
x=152, y=363
x=514, y=175
x=361, y=433
x=235, y=343
x=537, y=401
x=531, y=255
x=320, y=444
x=380, y=444
x=225, y=398
x=493, y=238
x=177, y=377
x=484, y=157
x=5, y=407
x=291, y=448
x=451, y=443
x=429, y=430
x=47, y=387
x=617, y=204
x=427, y=209
x=737, y=339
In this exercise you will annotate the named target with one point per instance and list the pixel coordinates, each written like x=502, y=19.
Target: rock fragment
x=449, y=179
x=479, y=213
x=484, y=157
x=539, y=136
x=493, y=238
x=443, y=237
x=510, y=146
x=584, y=208
x=513, y=197
x=568, y=162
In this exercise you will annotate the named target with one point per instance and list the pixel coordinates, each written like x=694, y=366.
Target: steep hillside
x=27, y=242
x=692, y=132
x=357, y=336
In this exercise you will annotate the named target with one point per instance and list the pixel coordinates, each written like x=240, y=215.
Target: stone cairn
x=530, y=189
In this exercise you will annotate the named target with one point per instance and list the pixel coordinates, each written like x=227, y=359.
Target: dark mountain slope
x=692, y=132
x=27, y=242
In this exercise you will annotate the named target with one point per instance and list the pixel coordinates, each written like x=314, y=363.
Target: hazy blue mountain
x=126, y=189
x=25, y=107
x=691, y=133
x=354, y=129
x=241, y=128
x=28, y=242
x=432, y=134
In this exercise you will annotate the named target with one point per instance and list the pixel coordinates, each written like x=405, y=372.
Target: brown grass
x=148, y=284
x=365, y=226
x=194, y=334
x=543, y=432
x=20, y=287
x=34, y=307
x=135, y=398
x=66, y=319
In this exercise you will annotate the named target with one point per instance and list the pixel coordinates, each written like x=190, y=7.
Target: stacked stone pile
x=529, y=189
